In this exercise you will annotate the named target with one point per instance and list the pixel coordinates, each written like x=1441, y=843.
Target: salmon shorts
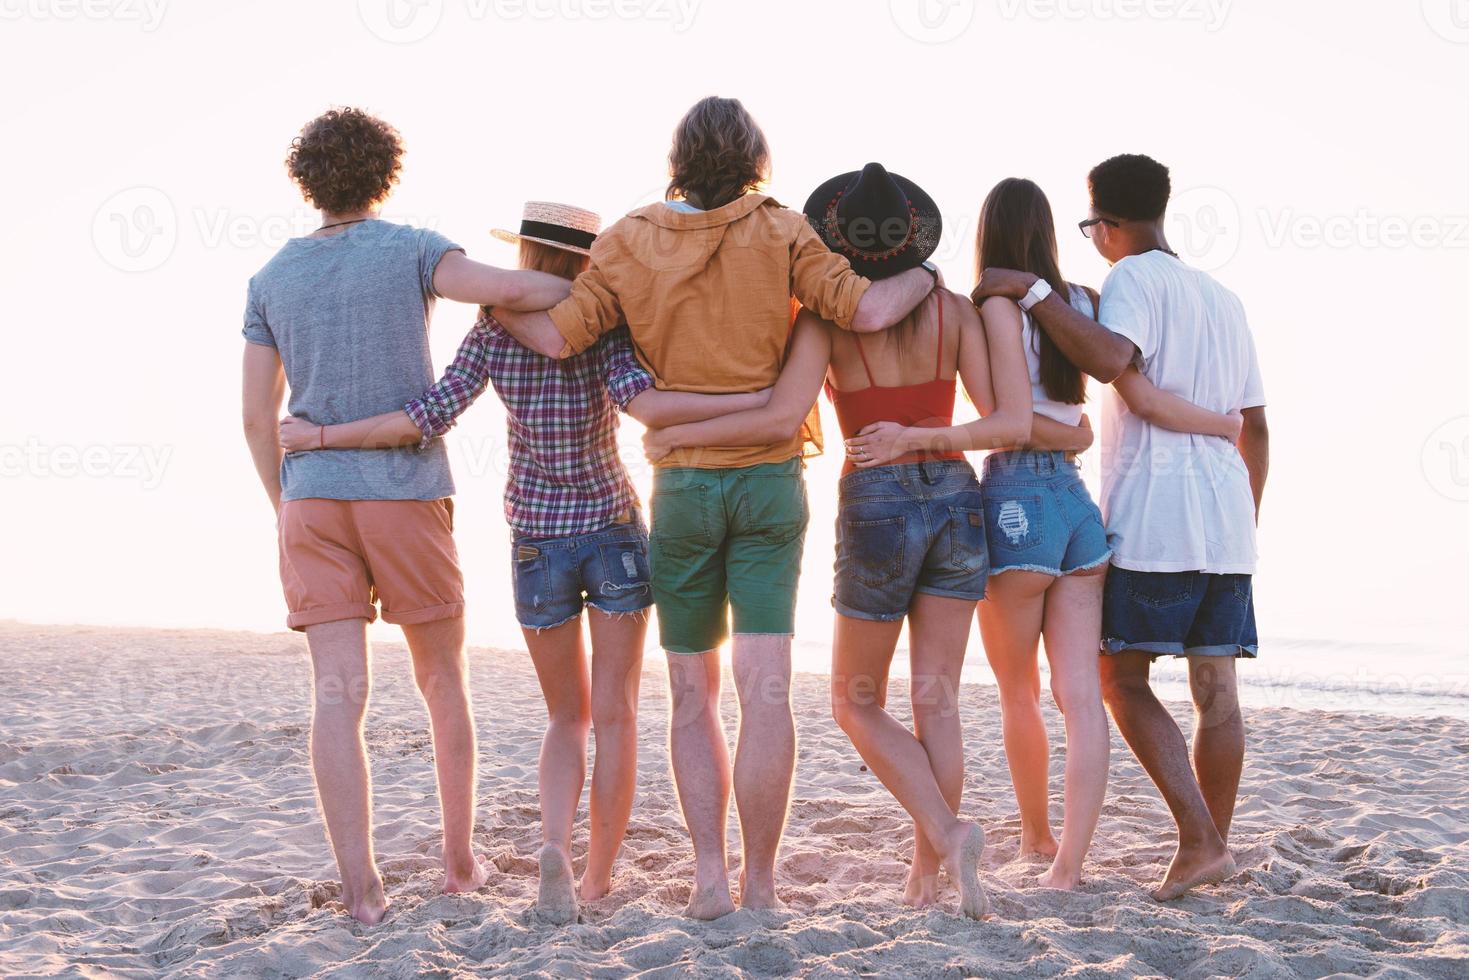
x=340, y=559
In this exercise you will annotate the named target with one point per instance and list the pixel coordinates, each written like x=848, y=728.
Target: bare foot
x=710, y=901
x=371, y=908
x=557, y=902
x=1061, y=879
x=922, y=889
x=590, y=890
x=758, y=896
x=1037, y=847
x=1192, y=868
x=961, y=861
x=471, y=880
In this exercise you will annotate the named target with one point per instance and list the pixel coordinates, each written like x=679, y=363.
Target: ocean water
x=1422, y=678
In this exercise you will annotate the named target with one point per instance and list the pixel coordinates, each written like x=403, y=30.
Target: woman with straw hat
x=578, y=536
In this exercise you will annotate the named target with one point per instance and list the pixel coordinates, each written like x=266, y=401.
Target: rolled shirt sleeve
x=437, y=410
x=256, y=331
x=591, y=311
x=623, y=373
x=432, y=247
x=824, y=281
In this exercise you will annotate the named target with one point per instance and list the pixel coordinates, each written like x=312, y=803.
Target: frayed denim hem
x=640, y=614
x=1089, y=565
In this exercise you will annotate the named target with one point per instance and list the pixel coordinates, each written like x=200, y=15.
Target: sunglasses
x=1087, y=225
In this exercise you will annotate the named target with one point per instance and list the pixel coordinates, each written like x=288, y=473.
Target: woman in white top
x=1048, y=548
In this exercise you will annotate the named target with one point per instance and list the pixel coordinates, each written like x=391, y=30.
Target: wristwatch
x=933, y=270
x=1037, y=294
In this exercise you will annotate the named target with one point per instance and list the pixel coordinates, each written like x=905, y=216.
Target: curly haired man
x=341, y=315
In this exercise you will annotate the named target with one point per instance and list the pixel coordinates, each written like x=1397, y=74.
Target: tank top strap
x=938, y=367
x=863, y=354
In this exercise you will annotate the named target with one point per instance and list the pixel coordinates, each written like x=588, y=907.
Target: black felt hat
x=883, y=223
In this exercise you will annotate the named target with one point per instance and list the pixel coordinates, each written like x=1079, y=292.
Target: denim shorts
x=1039, y=515
x=556, y=577
x=1179, y=614
x=905, y=529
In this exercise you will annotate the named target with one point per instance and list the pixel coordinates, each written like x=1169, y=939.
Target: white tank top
x=1041, y=403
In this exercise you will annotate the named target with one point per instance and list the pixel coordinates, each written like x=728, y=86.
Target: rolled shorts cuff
x=1112, y=645
x=428, y=614
x=332, y=613
x=965, y=595
x=870, y=617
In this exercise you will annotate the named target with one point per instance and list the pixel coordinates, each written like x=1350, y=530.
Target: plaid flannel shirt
x=566, y=476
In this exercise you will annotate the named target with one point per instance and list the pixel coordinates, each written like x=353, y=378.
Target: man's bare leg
x=1219, y=736
x=1155, y=739
x=765, y=759
x=442, y=672
x=342, y=678
x=701, y=773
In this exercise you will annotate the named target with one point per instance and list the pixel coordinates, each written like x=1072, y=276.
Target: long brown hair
x=719, y=153
x=547, y=258
x=1017, y=231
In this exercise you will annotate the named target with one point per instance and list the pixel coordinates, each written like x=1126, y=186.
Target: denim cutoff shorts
x=905, y=529
x=1040, y=516
x=607, y=570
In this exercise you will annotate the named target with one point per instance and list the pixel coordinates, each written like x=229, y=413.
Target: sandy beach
x=157, y=817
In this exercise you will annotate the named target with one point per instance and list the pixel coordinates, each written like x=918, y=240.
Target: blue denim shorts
x=1040, y=516
x=556, y=577
x=905, y=529
x=1179, y=614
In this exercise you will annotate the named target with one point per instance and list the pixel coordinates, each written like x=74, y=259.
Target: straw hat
x=558, y=225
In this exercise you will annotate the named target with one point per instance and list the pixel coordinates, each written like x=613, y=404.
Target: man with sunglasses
x=1180, y=509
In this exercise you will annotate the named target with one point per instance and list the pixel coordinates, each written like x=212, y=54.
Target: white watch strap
x=1037, y=294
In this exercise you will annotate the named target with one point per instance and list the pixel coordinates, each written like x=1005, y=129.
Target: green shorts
x=722, y=540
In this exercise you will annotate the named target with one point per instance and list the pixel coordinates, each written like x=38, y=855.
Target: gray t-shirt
x=349, y=314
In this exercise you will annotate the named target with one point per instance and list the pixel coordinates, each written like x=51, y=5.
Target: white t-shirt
x=1175, y=502
x=1041, y=403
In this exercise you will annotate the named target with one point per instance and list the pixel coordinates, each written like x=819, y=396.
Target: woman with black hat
x=910, y=531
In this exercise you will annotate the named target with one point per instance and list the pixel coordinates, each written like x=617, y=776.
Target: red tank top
x=929, y=404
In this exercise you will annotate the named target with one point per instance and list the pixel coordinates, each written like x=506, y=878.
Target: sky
x=1317, y=157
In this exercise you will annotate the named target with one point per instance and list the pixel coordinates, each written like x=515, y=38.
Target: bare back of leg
x=342, y=683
